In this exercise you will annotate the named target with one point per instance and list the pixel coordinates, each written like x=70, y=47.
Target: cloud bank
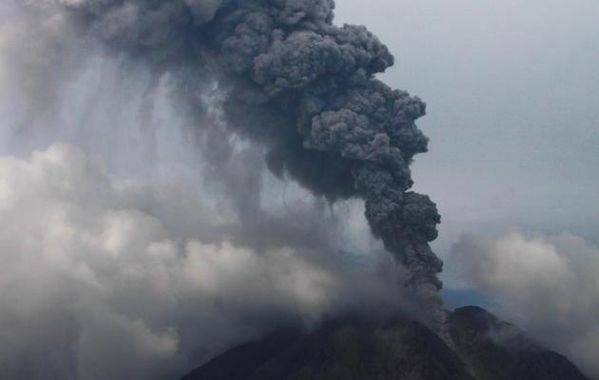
x=98, y=280
x=547, y=284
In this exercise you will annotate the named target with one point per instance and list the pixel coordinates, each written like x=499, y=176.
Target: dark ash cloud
x=291, y=80
x=140, y=279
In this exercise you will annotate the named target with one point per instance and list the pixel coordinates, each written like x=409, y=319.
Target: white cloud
x=93, y=286
x=548, y=285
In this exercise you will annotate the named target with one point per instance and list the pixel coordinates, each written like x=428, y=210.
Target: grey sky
x=513, y=92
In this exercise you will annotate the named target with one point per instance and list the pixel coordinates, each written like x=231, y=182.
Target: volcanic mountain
x=478, y=346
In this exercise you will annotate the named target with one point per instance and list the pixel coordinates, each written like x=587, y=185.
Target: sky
x=512, y=89
x=115, y=235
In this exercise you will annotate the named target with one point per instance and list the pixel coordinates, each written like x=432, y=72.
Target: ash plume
x=288, y=78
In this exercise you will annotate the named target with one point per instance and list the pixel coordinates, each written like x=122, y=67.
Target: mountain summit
x=479, y=346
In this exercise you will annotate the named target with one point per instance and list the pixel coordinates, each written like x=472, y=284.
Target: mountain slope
x=480, y=347
x=497, y=350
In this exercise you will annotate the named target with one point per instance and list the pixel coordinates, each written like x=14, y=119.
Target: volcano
x=477, y=346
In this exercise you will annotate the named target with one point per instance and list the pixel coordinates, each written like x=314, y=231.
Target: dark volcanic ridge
x=479, y=346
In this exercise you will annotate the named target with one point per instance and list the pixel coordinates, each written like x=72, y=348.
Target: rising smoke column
x=288, y=78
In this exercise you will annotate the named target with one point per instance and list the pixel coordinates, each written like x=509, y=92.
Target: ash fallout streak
x=286, y=77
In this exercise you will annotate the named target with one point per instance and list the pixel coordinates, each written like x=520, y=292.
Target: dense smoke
x=282, y=74
x=166, y=229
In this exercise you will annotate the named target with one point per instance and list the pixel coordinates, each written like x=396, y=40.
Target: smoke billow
x=291, y=80
x=166, y=229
